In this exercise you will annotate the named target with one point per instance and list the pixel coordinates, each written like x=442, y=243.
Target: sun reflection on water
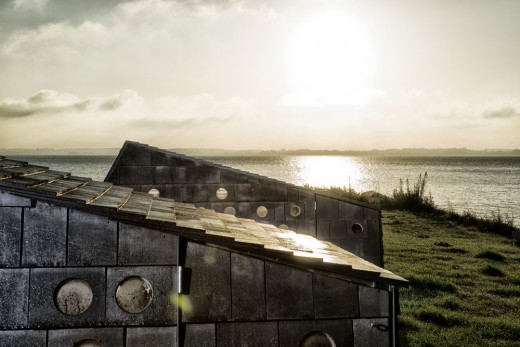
x=327, y=171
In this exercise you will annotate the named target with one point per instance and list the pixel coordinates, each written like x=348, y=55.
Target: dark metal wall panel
x=112, y=337
x=326, y=208
x=151, y=337
x=350, y=211
x=210, y=287
x=309, y=200
x=142, y=246
x=335, y=298
x=145, y=175
x=371, y=332
x=10, y=236
x=126, y=175
x=307, y=227
x=373, y=302
x=135, y=156
x=252, y=334
x=288, y=292
x=194, y=193
x=10, y=200
x=323, y=230
x=158, y=158
x=14, y=294
x=202, y=174
x=92, y=240
x=247, y=288
x=23, y=338
x=162, y=310
x=43, y=285
x=243, y=192
x=44, y=235
x=164, y=175
x=199, y=335
x=370, y=214
x=292, y=332
x=355, y=246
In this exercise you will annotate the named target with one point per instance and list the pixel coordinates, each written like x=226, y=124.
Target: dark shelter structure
x=86, y=263
x=349, y=224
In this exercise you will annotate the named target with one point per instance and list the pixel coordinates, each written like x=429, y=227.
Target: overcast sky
x=260, y=74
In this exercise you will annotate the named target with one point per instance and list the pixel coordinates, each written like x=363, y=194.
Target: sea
x=481, y=185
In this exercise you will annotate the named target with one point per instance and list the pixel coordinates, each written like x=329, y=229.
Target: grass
x=464, y=283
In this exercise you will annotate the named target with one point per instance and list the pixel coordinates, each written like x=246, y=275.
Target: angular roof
x=199, y=224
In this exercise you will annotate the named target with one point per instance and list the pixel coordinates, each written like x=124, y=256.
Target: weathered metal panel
x=136, y=156
x=44, y=235
x=158, y=158
x=142, y=246
x=179, y=174
x=126, y=175
x=326, y=208
x=292, y=333
x=14, y=293
x=112, y=337
x=350, y=211
x=247, y=288
x=252, y=334
x=309, y=200
x=373, y=302
x=202, y=174
x=162, y=310
x=210, y=288
x=10, y=236
x=195, y=193
x=23, y=338
x=370, y=214
x=323, y=231
x=243, y=192
x=244, y=210
x=7, y=199
x=151, y=337
x=42, y=308
x=277, y=191
x=259, y=192
x=355, y=246
x=279, y=212
x=164, y=175
x=92, y=240
x=335, y=298
x=338, y=229
x=199, y=335
x=353, y=230
x=145, y=175
x=371, y=332
x=288, y=292
x=172, y=191
x=307, y=227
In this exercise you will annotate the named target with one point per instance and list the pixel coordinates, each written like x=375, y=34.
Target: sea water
x=481, y=185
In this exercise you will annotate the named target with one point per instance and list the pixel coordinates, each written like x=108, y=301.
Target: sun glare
x=330, y=60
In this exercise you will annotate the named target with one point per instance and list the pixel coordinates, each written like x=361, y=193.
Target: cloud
x=47, y=101
x=503, y=113
x=30, y=5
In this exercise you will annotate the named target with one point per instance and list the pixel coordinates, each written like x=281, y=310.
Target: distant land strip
x=206, y=152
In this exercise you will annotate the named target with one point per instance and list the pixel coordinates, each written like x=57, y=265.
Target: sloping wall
x=350, y=225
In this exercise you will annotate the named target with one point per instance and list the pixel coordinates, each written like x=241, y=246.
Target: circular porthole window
x=134, y=294
x=221, y=194
x=283, y=226
x=73, y=296
x=295, y=210
x=317, y=339
x=261, y=211
x=154, y=192
x=357, y=228
x=230, y=210
x=88, y=343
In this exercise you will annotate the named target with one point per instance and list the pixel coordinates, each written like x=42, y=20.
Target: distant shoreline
x=419, y=152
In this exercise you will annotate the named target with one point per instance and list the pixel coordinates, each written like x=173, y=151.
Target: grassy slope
x=465, y=284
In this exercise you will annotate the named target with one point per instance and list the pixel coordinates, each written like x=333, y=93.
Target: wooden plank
x=113, y=197
x=62, y=186
x=26, y=169
x=137, y=204
x=88, y=192
x=8, y=163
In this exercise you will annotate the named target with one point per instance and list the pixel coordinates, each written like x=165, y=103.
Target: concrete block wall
x=195, y=181
x=60, y=270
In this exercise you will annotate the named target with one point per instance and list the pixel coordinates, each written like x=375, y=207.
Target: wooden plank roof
x=121, y=203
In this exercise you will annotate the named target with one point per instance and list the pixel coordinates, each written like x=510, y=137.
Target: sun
x=329, y=60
